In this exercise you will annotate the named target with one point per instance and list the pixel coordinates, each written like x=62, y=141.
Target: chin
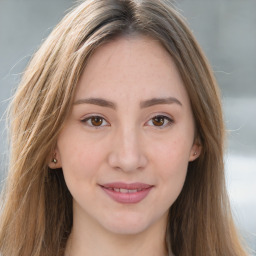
x=129, y=224
x=126, y=228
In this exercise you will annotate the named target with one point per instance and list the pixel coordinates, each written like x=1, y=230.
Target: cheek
x=174, y=165
x=171, y=163
x=173, y=153
x=80, y=158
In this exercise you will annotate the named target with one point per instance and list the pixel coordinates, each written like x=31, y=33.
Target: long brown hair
x=36, y=214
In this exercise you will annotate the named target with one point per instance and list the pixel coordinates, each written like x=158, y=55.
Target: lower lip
x=127, y=198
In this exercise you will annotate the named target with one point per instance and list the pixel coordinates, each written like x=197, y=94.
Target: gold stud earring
x=54, y=160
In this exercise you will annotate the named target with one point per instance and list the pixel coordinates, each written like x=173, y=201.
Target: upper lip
x=129, y=186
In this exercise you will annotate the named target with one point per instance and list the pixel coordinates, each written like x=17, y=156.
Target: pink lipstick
x=127, y=193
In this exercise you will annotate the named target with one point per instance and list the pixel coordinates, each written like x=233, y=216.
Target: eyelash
x=89, y=119
x=167, y=121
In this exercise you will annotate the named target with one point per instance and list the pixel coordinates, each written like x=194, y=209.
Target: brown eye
x=96, y=120
x=160, y=121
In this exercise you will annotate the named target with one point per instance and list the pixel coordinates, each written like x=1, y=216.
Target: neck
x=88, y=239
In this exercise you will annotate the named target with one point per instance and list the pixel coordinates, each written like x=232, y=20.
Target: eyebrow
x=158, y=101
x=96, y=101
x=144, y=104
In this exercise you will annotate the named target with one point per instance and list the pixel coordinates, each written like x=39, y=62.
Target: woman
x=117, y=141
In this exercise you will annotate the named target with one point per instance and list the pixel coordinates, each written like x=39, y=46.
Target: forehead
x=136, y=66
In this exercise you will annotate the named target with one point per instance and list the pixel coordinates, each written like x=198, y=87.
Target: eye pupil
x=158, y=120
x=97, y=121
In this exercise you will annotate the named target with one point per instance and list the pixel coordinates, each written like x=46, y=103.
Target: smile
x=127, y=193
x=123, y=190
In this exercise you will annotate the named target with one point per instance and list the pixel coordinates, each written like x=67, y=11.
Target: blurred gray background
x=226, y=30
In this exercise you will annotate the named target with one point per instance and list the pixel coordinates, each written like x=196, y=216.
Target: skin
x=126, y=145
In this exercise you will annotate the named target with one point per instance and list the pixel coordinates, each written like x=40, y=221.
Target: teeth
x=123, y=190
x=126, y=191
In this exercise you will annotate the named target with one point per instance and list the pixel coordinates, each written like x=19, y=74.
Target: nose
x=127, y=152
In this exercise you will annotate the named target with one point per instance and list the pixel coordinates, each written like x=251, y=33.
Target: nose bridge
x=126, y=153
x=129, y=142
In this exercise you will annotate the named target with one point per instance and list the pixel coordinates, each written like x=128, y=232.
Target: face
x=125, y=147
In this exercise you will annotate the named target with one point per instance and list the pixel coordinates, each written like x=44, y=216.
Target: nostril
x=127, y=162
x=126, y=152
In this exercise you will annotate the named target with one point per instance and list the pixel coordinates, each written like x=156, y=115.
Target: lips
x=127, y=193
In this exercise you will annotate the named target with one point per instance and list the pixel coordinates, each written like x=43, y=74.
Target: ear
x=54, y=160
x=195, y=150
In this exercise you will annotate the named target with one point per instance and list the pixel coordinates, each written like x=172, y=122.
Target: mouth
x=127, y=193
x=123, y=190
